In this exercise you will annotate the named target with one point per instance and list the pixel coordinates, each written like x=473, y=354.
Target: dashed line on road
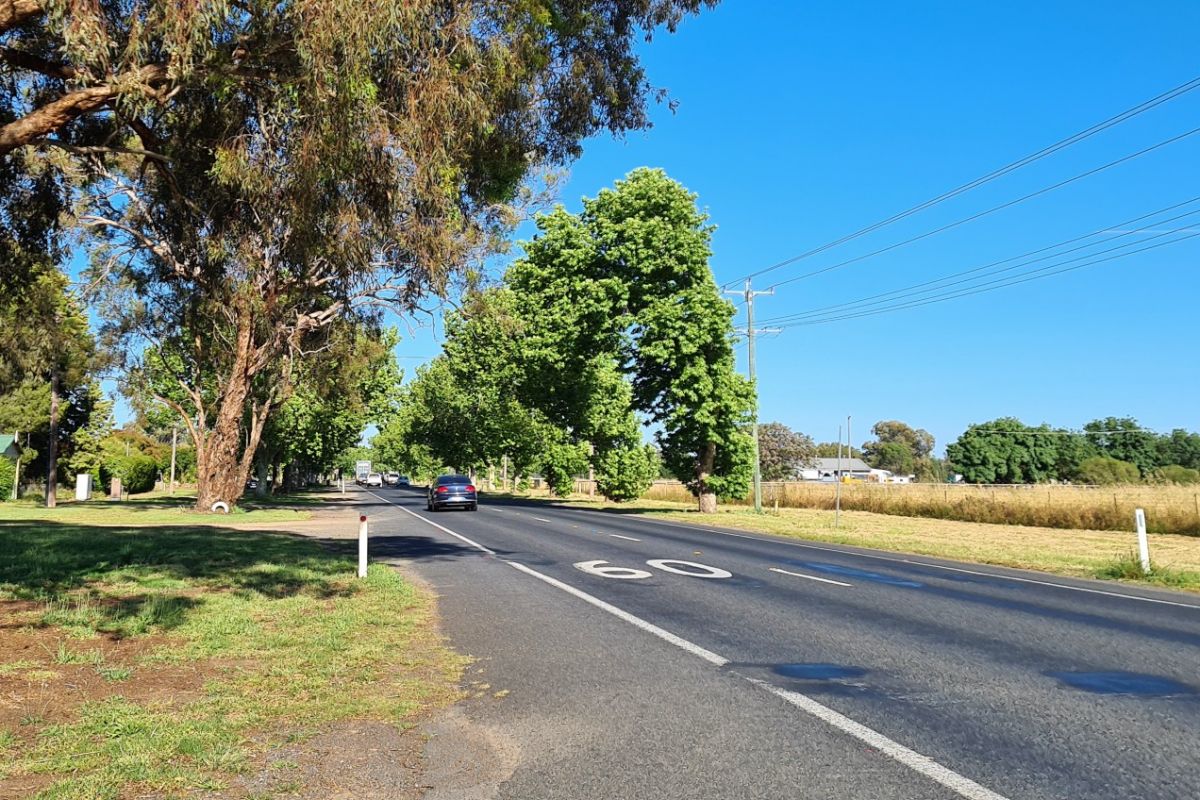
x=960, y=784
x=542, y=519
x=626, y=538
x=924, y=765
x=810, y=577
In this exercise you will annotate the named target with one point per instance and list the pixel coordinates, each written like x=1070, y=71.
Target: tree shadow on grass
x=132, y=579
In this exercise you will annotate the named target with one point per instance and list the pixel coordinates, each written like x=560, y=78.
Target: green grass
x=283, y=636
x=147, y=510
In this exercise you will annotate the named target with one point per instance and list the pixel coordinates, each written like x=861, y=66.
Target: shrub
x=1174, y=473
x=136, y=471
x=1107, y=470
x=8, y=473
x=626, y=473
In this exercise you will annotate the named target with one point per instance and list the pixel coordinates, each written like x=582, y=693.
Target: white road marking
x=617, y=573
x=619, y=536
x=852, y=553
x=810, y=577
x=963, y=786
x=621, y=614
x=705, y=571
x=442, y=528
x=925, y=765
x=539, y=519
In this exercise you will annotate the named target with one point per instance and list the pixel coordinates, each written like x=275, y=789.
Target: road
x=720, y=664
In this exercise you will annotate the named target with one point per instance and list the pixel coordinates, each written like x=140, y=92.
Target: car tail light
x=442, y=490
x=469, y=488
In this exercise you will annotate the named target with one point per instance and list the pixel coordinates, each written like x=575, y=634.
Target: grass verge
x=1079, y=553
x=157, y=509
x=162, y=660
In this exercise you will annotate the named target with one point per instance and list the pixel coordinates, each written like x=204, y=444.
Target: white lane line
x=442, y=528
x=540, y=519
x=925, y=765
x=963, y=786
x=625, y=616
x=810, y=577
x=626, y=538
x=993, y=575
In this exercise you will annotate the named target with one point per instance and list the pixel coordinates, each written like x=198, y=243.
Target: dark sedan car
x=452, y=491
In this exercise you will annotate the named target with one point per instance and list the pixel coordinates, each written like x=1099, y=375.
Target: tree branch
x=14, y=12
x=23, y=60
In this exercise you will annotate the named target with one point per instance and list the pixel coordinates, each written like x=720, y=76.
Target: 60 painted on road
x=689, y=568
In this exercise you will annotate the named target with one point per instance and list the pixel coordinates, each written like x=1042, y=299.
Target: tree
x=782, y=452
x=1122, y=438
x=831, y=450
x=1006, y=451
x=1179, y=448
x=898, y=447
x=229, y=234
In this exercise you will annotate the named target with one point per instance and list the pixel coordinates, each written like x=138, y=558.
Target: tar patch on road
x=1131, y=683
x=818, y=672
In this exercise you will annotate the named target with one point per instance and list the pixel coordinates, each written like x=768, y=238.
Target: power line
x=1030, y=276
x=1070, y=140
x=944, y=281
x=991, y=210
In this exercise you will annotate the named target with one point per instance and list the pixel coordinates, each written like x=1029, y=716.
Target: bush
x=1107, y=470
x=626, y=473
x=137, y=472
x=1174, y=473
x=8, y=473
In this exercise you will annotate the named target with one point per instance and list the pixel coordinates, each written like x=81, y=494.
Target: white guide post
x=362, y=546
x=1143, y=545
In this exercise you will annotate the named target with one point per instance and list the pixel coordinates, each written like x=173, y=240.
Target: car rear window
x=449, y=479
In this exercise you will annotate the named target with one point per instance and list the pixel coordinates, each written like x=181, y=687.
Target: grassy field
x=1169, y=508
x=1082, y=553
x=149, y=509
x=161, y=661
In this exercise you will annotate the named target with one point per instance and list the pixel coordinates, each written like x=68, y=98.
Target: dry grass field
x=1169, y=508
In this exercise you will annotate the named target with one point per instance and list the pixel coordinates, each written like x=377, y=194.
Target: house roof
x=847, y=465
x=6, y=441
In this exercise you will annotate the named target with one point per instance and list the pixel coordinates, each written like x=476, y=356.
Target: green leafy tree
x=1181, y=448
x=893, y=456
x=230, y=235
x=1122, y=438
x=1173, y=473
x=1006, y=451
x=830, y=450
x=782, y=451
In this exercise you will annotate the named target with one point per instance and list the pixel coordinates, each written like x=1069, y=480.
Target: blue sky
x=798, y=123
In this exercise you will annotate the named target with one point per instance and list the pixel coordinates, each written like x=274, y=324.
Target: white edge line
x=442, y=528
x=993, y=575
x=809, y=577
x=626, y=538
x=924, y=765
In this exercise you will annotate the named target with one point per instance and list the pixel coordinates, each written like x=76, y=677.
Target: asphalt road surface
x=646, y=659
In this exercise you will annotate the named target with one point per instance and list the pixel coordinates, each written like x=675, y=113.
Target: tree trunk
x=261, y=473
x=52, y=450
x=708, y=498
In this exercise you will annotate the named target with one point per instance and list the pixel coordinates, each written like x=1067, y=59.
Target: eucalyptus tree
x=254, y=170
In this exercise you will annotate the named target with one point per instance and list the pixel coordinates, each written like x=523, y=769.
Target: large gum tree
x=252, y=170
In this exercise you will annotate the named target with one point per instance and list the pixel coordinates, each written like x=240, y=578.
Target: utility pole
x=750, y=331
x=837, y=508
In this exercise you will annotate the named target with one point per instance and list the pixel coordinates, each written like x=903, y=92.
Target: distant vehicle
x=252, y=484
x=403, y=481
x=374, y=479
x=452, y=491
x=391, y=478
x=361, y=470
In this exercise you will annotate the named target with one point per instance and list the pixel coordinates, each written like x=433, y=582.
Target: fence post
x=362, y=546
x=1139, y=517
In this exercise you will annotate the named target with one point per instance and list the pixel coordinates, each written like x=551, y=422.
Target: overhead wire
x=936, y=284
x=1000, y=283
x=991, y=176
x=988, y=211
